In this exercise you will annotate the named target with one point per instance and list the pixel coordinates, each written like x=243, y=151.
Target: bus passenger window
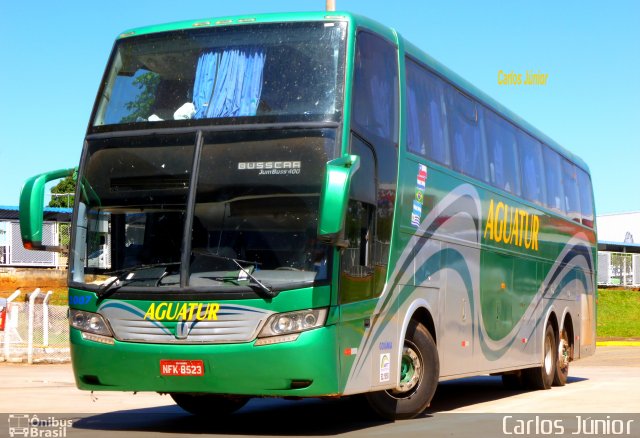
x=464, y=135
x=425, y=121
x=570, y=184
x=531, y=168
x=553, y=174
x=586, y=202
x=502, y=153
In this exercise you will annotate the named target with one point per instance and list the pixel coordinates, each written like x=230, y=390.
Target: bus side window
x=375, y=90
x=425, y=121
x=570, y=184
x=502, y=153
x=553, y=173
x=464, y=135
x=586, y=202
x=531, y=168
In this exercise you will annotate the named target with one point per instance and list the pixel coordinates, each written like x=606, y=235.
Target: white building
x=619, y=227
x=619, y=249
x=13, y=254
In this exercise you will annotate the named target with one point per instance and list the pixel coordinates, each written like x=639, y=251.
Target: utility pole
x=331, y=5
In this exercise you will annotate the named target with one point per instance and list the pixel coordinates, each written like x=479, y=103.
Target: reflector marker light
x=276, y=339
x=350, y=351
x=97, y=338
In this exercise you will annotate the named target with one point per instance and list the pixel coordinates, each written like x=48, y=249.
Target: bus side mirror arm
x=334, y=198
x=32, y=210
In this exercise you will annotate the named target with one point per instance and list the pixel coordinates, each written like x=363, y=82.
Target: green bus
x=307, y=205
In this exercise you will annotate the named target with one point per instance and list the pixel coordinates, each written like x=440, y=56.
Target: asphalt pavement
x=605, y=387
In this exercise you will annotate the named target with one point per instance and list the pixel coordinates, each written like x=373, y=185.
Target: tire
x=564, y=357
x=542, y=377
x=209, y=404
x=419, y=375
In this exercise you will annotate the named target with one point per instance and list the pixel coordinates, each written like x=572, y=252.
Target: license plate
x=181, y=368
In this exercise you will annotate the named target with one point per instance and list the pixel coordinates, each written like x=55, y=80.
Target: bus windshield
x=253, y=215
x=279, y=72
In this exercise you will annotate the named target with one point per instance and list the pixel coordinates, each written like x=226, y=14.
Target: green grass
x=618, y=314
x=58, y=298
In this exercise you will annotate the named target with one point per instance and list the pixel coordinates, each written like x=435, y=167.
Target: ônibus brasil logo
x=33, y=426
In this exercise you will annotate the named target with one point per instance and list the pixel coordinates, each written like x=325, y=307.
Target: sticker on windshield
x=272, y=167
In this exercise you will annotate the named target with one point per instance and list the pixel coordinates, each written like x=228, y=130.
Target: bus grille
x=232, y=324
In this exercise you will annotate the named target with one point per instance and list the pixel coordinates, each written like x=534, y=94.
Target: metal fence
x=13, y=253
x=618, y=269
x=35, y=331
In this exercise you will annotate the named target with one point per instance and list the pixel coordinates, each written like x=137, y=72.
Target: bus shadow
x=311, y=417
x=455, y=394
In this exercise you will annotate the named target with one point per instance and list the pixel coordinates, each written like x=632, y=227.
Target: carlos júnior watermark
x=579, y=425
x=32, y=425
x=529, y=78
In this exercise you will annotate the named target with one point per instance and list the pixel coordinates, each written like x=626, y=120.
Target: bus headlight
x=89, y=322
x=293, y=322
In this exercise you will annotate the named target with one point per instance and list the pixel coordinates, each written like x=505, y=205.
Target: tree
x=65, y=190
x=147, y=83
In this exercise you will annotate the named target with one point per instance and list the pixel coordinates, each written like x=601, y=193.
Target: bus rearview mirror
x=334, y=198
x=32, y=209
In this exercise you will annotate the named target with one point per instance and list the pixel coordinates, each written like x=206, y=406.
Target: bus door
x=365, y=260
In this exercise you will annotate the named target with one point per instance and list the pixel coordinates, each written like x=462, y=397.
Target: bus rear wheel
x=209, y=404
x=542, y=377
x=564, y=357
x=419, y=373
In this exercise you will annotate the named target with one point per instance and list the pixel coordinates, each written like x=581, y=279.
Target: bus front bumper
x=306, y=367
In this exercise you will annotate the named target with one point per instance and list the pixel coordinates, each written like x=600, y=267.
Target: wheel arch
x=419, y=311
x=423, y=316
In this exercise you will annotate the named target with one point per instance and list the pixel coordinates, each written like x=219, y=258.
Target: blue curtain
x=204, y=81
x=228, y=83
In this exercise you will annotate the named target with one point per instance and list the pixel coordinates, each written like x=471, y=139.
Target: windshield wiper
x=263, y=290
x=116, y=281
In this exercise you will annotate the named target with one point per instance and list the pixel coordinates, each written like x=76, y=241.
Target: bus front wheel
x=542, y=377
x=419, y=372
x=208, y=404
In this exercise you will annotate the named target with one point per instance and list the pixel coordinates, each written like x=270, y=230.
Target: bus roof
x=358, y=20
x=240, y=20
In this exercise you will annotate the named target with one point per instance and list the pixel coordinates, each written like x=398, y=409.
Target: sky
x=53, y=55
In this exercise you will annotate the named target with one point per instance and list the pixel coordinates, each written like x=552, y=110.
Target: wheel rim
x=410, y=371
x=563, y=353
x=548, y=355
